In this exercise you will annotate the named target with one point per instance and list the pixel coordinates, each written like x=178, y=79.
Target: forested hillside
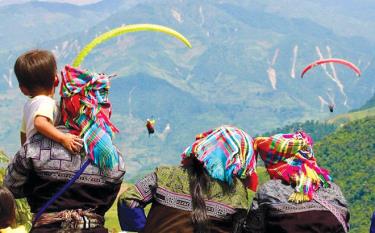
x=349, y=154
x=316, y=129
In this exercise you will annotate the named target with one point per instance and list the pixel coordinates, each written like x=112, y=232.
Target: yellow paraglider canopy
x=126, y=29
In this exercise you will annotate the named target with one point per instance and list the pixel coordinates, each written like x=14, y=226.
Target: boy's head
x=36, y=71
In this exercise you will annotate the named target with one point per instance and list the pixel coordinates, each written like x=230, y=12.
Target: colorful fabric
x=225, y=151
x=290, y=157
x=86, y=110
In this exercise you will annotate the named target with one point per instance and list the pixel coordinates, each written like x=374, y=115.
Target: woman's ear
x=56, y=82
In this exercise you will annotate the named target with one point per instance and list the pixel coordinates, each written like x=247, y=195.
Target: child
x=36, y=73
x=8, y=212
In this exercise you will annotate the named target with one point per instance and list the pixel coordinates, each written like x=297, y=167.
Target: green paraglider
x=122, y=30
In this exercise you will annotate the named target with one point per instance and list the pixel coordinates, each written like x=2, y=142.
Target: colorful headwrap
x=224, y=152
x=86, y=110
x=290, y=157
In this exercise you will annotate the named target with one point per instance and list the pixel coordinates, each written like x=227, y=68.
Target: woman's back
x=168, y=190
x=272, y=212
x=207, y=193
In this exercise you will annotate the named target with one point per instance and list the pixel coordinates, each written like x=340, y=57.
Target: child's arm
x=44, y=126
x=23, y=131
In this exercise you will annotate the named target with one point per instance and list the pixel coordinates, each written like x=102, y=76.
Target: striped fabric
x=290, y=157
x=225, y=151
x=86, y=110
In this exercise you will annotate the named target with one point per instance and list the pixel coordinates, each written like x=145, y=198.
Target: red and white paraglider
x=329, y=60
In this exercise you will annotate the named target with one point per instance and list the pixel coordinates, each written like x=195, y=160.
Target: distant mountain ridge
x=369, y=104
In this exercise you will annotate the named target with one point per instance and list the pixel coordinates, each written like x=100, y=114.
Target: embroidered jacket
x=168, y=189
x=272, y=212
x=40, y=168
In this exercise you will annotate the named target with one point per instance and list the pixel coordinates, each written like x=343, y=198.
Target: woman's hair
x=199, y=181
x=199, y=184
x=7, y=208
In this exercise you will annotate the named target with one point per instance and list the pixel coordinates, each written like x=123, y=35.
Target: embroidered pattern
x=145, y=187
x=51, y=161
x=183, y=202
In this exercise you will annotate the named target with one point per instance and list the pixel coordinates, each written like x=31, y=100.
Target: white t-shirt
x=40, y=105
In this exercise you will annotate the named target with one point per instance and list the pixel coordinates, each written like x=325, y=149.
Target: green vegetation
x=349, y=154
x=111, y=219
x=316, y=129
x=23, y=210
x=352, y=116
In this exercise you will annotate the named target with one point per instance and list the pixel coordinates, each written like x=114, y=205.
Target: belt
x=72, y=219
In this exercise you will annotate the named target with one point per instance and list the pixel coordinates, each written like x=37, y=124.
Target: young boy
x=36, y=72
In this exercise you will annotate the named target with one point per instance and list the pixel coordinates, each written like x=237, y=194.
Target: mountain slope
x=349, y=154
x=238, y=72
x=317, y=130
x=369, y=104
x=351, y=116
x=24, y=25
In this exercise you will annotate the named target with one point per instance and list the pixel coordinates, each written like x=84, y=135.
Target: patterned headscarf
x=226, y=151
x=290, y=157
x=86, y=111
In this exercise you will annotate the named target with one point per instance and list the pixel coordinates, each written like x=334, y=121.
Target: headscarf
x=290, y=157
x=225, y=152
x=86, y=111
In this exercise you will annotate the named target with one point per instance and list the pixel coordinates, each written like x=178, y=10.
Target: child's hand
x=72, y=143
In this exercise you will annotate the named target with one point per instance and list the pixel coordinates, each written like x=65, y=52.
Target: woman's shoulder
x=170, y=172
x=277, y=191
x=172, y=178
x=168, y=169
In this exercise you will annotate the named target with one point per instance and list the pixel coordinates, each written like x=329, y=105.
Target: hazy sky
x=77, y=2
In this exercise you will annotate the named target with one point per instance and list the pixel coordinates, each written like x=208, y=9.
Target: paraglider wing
x=122, y=30
x=335, y=60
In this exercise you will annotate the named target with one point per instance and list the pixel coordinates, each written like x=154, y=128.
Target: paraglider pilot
x=150, y=126
x=331, y=107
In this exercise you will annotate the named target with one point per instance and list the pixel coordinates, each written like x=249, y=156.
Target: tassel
x=298, y=198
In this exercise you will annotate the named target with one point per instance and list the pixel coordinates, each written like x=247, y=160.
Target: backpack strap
x=61, y=191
